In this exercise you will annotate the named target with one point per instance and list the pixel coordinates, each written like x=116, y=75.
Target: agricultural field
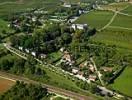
x=115, y=6
x=97, y=19
x=119, y=37
x=122, y=21
x=5, y=84
x=128, y=10
x=25, y=5
x=124, y=82
x=72, y=1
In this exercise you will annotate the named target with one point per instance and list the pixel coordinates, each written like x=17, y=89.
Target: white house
x=67, y=5
x=20, y=48
x=75, y=70
x=27, y=50
x=79, y=26
x=92, y=78
x=33, y=53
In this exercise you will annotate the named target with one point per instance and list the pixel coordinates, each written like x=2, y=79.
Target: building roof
x=107, y=69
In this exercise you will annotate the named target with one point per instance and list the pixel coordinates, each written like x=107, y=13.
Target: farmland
x=5, y=84
x=96, y=19
x=115, y=6
x=122, y=21
x=25, y=5
x=128, y=10
x=120, y=38
x=124, y=83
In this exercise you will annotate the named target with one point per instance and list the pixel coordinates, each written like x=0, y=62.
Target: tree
x=25, y=91
x=66, y=38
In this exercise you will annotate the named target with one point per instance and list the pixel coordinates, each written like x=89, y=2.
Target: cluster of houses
x=67, y=58
x=42, y=56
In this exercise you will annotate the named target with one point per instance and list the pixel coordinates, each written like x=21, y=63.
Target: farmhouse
x=92, y=78
x=91, y=68
x=79, y=26
x=67, y=56
x=75, y=70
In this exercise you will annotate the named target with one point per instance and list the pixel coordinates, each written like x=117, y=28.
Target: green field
x=124, y=82
x=122, y=21
x=128, y=10
x=120, y=38
x=7, y=8
x=115, y=6
x=97, y=19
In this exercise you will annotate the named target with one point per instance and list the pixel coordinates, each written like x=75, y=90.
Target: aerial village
x=61, y=24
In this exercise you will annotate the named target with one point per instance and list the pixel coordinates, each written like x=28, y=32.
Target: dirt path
x=108, y=24
x=120, y=27
x=114, y=16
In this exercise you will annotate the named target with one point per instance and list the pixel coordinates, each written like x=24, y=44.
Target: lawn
x=120, y=38
x=97, y=19
x=5, y=84
x=122, y=21
x=124, y=82
x=128, y=10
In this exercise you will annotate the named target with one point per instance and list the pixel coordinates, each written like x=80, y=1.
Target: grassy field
x=9, y=7
x=116, y=6
x=96, y=19
x=120, y=38
x=5, y=84
x=122, y=21
x=128, y=10
x=124, y=82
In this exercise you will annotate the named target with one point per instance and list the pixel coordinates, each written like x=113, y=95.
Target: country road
x=108, y=24
x=114, y=16
x=50, y=88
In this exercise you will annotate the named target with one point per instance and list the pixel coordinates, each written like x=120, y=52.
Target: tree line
x=25, y=91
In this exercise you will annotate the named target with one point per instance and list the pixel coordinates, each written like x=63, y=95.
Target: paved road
x=50, y=88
